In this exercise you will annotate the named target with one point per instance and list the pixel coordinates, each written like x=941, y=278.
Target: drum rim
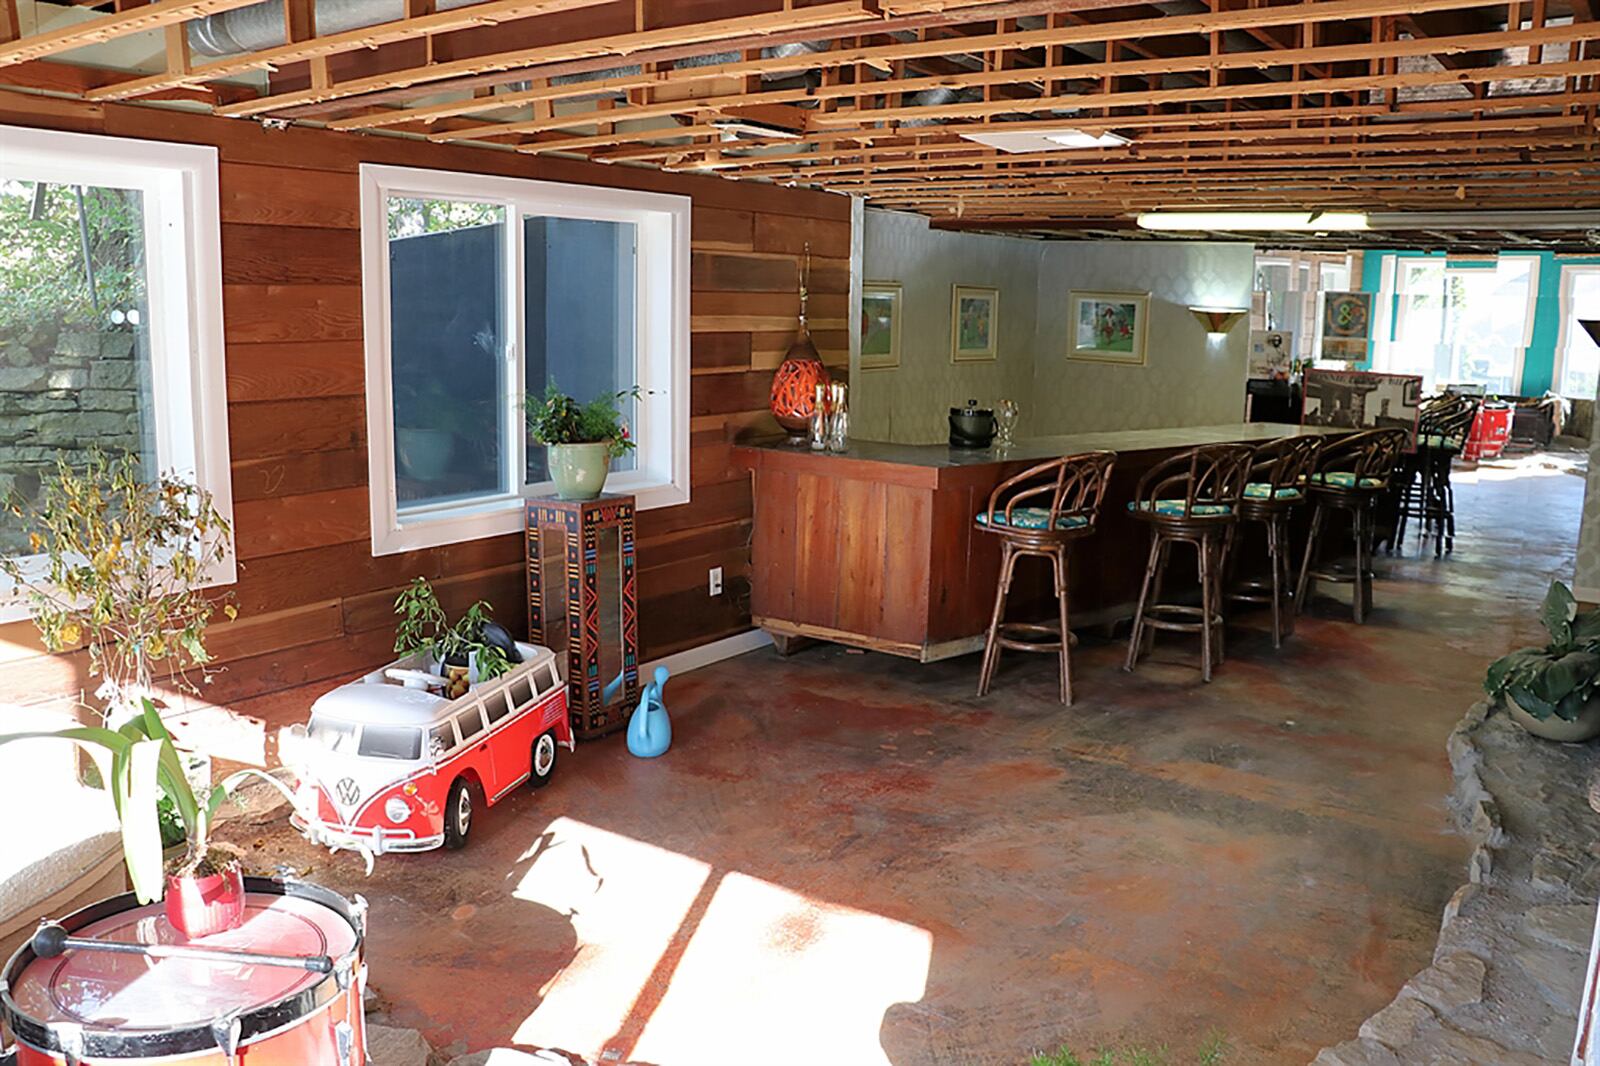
x=259, y=1022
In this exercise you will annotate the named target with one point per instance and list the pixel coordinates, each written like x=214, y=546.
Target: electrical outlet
x=715, y=579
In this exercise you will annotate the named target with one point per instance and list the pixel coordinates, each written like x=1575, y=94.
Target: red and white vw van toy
x=387, y=764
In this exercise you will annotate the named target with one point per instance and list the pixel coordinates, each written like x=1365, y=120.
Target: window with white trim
x=1577, y=368
x=110, y=317
x=1457, y=322
x=479, y=290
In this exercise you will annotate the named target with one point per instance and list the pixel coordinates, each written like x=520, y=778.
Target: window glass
x=545, y=678
x=441, y=738
x=580, y=315
x=1462, y=324
x=390, y=742
x=470, y=723
x=447, y=343
x=496, y=708
x=521, y=691
x=75, y=367
x=1580, y=363
x=332, y=733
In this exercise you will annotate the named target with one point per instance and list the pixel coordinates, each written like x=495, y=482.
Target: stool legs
x=1363, y=523
x=1153, y=566
x=1058, y=563
x=1362, y=518
x=991, y=646
x=1304, y=587
x=1148, y=616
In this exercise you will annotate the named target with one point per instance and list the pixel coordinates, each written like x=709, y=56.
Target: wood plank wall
x=314, y=603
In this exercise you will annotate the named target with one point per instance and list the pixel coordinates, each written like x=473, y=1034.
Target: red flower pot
x=201, y=906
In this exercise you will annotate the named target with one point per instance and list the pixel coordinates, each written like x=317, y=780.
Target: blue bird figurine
x=650, y=731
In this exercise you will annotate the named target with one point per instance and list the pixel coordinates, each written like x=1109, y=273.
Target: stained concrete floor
x=850, y=859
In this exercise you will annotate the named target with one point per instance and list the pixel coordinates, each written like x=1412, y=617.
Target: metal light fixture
x=1218, y=321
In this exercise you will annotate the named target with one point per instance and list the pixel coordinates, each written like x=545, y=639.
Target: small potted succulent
x=583, y=438
x=1550, y=691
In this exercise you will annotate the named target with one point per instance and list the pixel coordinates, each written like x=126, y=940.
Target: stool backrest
x=1449, y=420
x=1070, y=487
x=1286, y=462
x=1212, y=474
x=1373, y=453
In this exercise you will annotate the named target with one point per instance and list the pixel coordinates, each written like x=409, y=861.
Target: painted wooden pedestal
x=581, y=571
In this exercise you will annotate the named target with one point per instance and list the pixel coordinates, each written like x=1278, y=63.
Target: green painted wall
x=1539, y=361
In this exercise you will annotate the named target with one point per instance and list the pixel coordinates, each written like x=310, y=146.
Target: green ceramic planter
x=579, y=470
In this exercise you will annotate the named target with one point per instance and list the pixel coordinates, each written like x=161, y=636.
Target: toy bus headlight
x=397, y=810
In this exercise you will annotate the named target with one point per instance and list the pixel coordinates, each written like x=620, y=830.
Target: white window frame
x=1570, y=272
x=661, y=422
x=1393, y=290
x=183, y=255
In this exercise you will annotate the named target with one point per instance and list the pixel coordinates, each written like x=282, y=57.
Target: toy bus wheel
x=544, y=760
x=458, y=814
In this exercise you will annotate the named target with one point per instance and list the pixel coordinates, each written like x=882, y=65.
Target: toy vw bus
x=388, y=764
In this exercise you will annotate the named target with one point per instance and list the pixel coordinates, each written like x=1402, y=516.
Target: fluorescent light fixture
x=1048, y=140
x=749, y=127
x=1303, y=221
x=1218, y=321
x=1080, y=139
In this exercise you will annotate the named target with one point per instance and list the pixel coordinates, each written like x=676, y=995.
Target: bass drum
x=90, y=1008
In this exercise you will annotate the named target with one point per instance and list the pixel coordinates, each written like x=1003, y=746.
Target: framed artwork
x=1271, y=354
x=1108, y=327
x=1346, y=320
x=1354, y=399
x=880, y=325
x=974, y=324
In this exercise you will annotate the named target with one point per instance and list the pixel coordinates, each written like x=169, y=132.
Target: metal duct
x=249, y=29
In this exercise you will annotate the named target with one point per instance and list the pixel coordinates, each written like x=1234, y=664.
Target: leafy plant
x=141, y=768
x=121, y=564
x=423, y=626
x=1558, y=678
x=557, y=418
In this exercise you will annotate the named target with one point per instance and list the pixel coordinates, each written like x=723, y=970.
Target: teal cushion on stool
x=1346, y=479
x=1175, y=507
x=1032, y=518
x=1262, y=490
x=1434, y=440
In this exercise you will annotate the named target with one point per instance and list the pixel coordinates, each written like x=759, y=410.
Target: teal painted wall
x=1539, y=361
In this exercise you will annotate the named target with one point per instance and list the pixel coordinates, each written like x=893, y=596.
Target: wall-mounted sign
x=1271, y=354
x=1346, y=325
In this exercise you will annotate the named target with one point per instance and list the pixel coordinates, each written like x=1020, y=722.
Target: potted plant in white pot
x=583, y=438
x=118, y=566
x=1550, y=691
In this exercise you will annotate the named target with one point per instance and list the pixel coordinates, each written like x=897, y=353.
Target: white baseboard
x=684, y=661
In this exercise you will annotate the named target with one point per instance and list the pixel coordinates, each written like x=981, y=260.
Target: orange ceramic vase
x=794, y=386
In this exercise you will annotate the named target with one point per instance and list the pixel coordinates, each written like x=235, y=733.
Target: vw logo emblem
x=348, y=791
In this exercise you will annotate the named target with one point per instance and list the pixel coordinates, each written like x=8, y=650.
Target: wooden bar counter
x=876, y=546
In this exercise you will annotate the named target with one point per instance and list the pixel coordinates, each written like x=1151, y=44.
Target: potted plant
x=583, y=438
x=1549, y=691
x=463, y=652
x=202, y=885
x=118, y=564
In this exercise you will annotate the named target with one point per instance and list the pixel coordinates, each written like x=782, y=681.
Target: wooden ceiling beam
x=111, y=27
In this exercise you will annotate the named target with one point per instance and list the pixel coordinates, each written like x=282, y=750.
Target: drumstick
x=51, y=940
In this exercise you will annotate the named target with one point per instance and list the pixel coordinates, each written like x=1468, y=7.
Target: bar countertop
x=944, y=457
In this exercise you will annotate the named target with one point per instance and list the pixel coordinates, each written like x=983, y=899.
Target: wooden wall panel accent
x=314, y=603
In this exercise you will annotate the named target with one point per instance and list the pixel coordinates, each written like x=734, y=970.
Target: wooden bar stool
x=1427, y=494
x=1278, y=473
x=1040, y=512
x=1351, y=474
x=1191, y=498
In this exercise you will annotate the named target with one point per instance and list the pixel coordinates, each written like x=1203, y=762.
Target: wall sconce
x=1218, y=320
x=1591, y=326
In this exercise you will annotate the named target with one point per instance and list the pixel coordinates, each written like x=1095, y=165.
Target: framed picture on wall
x=1354, y=399
x=1108, y=327
x=880, y=325
x=974, y=324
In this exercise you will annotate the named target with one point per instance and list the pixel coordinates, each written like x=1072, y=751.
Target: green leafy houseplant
x=422, y=626
x=143, y=771
x=119, y=565
x=1559, y=678
x=557, y=418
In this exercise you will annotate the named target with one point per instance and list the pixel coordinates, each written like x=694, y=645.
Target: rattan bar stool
x=1278, y=473
x=1428, y=495
x=1351, y=474
x=1191, y=498
x=1040, y=512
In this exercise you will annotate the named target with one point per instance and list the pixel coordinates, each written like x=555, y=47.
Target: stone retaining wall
x=64, y=389
x=1507, y=974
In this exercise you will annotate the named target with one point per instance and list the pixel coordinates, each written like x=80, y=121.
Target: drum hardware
x=345, y=1036
x=358, y=913
x=69, y=1038
x=226, y=1031
x=51, y=940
